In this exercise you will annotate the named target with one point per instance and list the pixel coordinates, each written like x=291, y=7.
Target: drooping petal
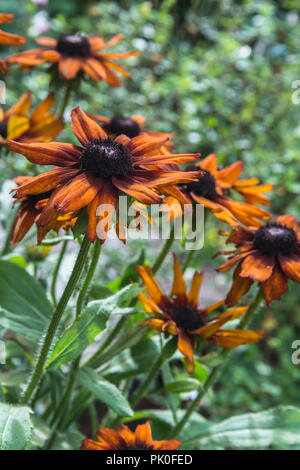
x=290, y=265
x=52, y=153
x=186, y=347
x=195, y=288
x=94, y=68
x=257, y=266
x=101, y=211
x=69, y=67
x=275, y=286
x=240, y=286
x=233, y=338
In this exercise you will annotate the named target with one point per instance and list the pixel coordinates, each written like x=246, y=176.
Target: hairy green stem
x=216, y=370
x=66, y=98
x=56, y=270
x=47, y=341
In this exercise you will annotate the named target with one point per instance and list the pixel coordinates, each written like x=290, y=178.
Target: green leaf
x=278, y=427
x=15, y=427
x=25, y=308
x=182, y=386
x=105, y=391
x=89, y=324
x=13, y=378
x=200, y=372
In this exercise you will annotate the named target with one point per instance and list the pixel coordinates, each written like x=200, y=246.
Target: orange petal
x=53, y=153
x=275, y=286
x=143, y=436
x=186, y=346
x=69, y=67
x=94, y=68
x=195, y=288
x=85, y=128
x=288, y=220
x=46, y=41
x=101, y=211
x=172, y=444
x=17, y=126
x=152, y=286
x=179, y=286
x=231, y=339
x=257, y=266
x=227, y=176
x=77, y=193
x=209, y=163
x=290, y=265
x=21, y=107
x=239, y=287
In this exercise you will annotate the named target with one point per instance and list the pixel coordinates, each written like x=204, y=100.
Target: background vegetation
x=220, y=74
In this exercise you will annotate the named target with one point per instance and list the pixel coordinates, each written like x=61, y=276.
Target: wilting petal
x=111, y=77
x=195, y=288
x=77, y=193
x=275, y=286
x=233, y=338
x=131, y=185
x=257, y=266
x=179, y=286
x=53, y=153
x=46, y=181
x=101, y=211
x=239, y=287
x=232, y=261
x=290, y=265
x=25, y=218
x=85, y=128
x=186, y=346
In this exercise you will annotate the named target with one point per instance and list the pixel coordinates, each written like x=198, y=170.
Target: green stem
x=216, y=370
x=164, y=251
x=140, y=392
x=56, y=270
x=89, y=277
x=59, y=415
x=66, y=98
x=47, y=342
x=120, y=324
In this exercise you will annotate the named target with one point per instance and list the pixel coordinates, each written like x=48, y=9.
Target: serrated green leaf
x=104, y=391
x=15, y=427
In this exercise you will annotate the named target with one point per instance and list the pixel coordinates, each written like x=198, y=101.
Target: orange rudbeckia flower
x=269, y=255
x=132, y=127
x=96, y=172
x=74, y=53
x=40, y=126
x=180, y=315
x=29, y=211
x=212, y=187
x=8, y=39
x=125, y=439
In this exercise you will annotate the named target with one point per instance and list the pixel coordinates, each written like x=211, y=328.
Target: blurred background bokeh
x=220, y=74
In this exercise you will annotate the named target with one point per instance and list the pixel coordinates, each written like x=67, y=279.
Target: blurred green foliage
x=220, y=74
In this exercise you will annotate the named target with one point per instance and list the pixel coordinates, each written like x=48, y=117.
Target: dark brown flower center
x=106, y=158
x=272, y=239
x=186, y=317
x=205, y=186
x=3, y=129
x=122, y=125
x=73, y=45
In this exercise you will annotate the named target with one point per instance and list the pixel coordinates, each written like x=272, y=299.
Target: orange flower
x=8, y=39
x=125, y=439
x=131, y=126
x=94, y=174
x=74, y=53
x=39, y=126
x=211, y=191
x=269, y=255
x=181, y=316
x=29, y=211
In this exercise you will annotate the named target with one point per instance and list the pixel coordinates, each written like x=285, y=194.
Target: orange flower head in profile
x=8, y=39
x=74, y=53
x=212, y=189
x=269, y=255
x=39, y=126
x=131, y=127
x=180, y=315
x=29, y=211
x=125, y=439
x=92, y=175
